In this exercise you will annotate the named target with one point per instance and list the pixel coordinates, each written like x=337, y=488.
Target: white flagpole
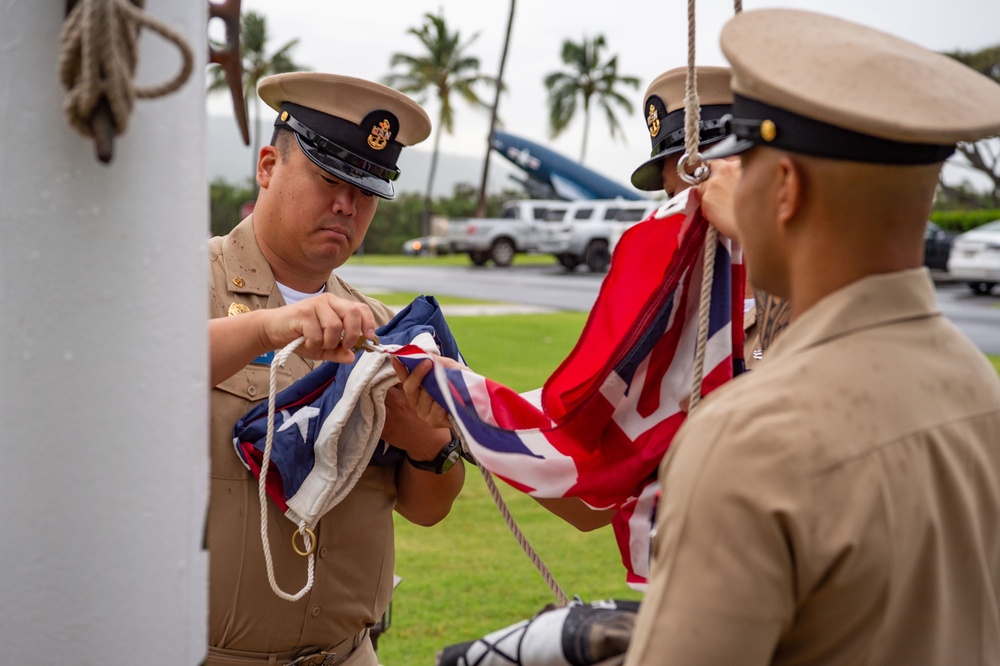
x=103, y=397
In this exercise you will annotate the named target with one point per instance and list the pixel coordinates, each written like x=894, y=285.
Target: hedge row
x=963, y=220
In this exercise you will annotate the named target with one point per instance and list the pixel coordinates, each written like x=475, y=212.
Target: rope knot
x=97, y=62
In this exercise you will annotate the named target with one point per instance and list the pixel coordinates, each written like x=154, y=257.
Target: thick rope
x=277, y=362
x=692, y=107
x=692, y=115
x=704, y=306
x=522, y=541
x=97, y=60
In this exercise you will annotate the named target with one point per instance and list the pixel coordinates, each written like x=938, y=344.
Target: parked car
x=937, y=246
x=518, y=230
x=975, y=257
x=427, y=245
x=584, y=235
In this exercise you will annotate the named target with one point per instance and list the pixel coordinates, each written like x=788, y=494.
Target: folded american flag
x=609, y=412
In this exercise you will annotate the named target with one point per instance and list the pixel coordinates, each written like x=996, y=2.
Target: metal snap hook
x=700, y=173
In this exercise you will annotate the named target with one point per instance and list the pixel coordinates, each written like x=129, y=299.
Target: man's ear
x=265, y=165
x=791, y=190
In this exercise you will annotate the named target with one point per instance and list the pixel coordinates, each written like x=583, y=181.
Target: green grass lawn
x=995, y=360
x=398, y=298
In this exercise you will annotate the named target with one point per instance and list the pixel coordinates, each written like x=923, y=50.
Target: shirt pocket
x=231, y=399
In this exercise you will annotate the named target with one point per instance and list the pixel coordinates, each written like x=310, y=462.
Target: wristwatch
x=445, y=459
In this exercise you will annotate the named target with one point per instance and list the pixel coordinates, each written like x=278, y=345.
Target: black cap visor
x=346, y=172
x=649, y=175
x=342, y=163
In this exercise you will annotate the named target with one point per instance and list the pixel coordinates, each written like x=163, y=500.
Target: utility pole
x=481, y=202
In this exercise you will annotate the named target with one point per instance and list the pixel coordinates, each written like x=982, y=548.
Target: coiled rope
x=97, y=61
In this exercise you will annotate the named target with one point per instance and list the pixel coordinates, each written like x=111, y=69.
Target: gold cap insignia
x=653, y=120
x=238, y=281
x=380, y=135
x=237, y=308
x=284, y=116
x=768, y=131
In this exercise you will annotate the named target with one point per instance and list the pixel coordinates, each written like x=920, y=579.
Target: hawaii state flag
x=609, y=412
x=328, y=424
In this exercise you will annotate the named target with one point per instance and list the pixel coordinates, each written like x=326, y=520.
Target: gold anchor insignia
x=380, y=135
x=238, y=281
x=237, y=308
x=653, y=120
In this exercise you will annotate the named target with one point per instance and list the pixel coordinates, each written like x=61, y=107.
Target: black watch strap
x=445, y=459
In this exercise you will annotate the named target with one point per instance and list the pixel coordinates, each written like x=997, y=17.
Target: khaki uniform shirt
x=841, y=503
x=354, y=554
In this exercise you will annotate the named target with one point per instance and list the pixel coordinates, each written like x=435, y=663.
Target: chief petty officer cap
x=818, y=85
x=664, y=110
x=351, y=128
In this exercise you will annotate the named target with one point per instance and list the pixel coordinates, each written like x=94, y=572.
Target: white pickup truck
x=518, y=229
x=584, y=234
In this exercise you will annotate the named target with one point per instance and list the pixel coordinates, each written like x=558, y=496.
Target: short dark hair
x=282, y=140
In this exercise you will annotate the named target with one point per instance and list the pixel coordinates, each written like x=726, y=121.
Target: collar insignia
x=237, y=308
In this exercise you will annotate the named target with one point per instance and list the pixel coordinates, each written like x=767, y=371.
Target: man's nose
x=344, y=200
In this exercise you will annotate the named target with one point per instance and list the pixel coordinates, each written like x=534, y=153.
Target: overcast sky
x=359, y=38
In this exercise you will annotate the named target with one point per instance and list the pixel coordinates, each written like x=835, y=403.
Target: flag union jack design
x=609, y=412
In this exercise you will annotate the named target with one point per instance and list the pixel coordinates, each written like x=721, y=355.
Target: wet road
x=549, y=286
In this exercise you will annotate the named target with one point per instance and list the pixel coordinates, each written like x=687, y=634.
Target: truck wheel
x=502, y=252
x=479, y=257
x=981, y=288
x=598, y=256
x=568, y=261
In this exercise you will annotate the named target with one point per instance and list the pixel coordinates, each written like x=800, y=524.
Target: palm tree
x=256, y=65
x=587, y=79
x=442, y=69
x=481, y=200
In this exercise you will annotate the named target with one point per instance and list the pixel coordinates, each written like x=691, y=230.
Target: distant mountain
x=230, y=160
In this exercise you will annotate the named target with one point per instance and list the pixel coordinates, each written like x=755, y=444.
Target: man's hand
x=419, y=426
x=419, y=399
x=407, y=430
x=716, y=196
x=331, y=326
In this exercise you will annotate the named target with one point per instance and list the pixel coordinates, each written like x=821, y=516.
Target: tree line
x=394, y=223
x=442, y=69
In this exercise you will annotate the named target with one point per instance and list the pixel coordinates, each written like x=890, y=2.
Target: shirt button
x=315, y=611
x=322, y=551
x=252, y=390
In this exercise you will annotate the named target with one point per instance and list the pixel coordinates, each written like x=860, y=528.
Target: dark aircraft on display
x=549, y=175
